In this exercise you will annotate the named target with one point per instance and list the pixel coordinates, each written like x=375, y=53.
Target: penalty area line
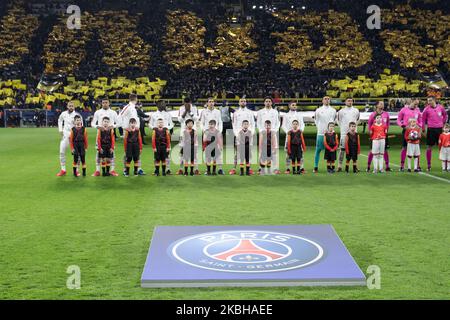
x=421, y=173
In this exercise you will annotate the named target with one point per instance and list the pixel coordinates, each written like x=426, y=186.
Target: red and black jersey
x=331, y=141
x=161, y=138
x=352, y=143
x=132, y=137
x=295, y=138
x=105, y=139
x=78, y=137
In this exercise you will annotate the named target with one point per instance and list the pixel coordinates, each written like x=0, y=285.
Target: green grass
x=398, y=221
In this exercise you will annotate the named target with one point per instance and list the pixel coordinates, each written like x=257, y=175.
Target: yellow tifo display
x=364, y=86
x=81, y=91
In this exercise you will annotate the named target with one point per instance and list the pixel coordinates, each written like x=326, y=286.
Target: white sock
x=415, y=163
x=375, y=162
x=409, y=163
x=97, y=163
x=444, y=165
x=380, y=162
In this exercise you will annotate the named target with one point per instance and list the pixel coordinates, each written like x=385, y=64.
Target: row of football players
x=323, y=117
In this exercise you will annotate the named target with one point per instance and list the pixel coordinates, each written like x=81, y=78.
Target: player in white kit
x=239, y=116
x=96, y=123
x=208, y=114
x=65, y=124
x=128, y=112
x=322, y=117
x=286, y=126
x=269, y=114
x=161, y=113
x=344, y=116
x=187, y=111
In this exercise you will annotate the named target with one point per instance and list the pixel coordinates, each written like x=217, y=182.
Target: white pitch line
x=421, y=173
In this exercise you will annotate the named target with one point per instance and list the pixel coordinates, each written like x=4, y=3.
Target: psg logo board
x=296, y=255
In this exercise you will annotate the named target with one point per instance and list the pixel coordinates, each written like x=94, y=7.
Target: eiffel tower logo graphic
x=249, y=252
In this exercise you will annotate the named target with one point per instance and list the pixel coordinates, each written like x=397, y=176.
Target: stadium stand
x=200, y=50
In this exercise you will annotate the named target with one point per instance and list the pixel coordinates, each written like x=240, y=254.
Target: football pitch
x=399, y=222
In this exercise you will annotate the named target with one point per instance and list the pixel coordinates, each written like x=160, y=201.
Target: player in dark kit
x=105, y=145
x=212, y=146
x=268, y=146
x=352, y=147
x=132, y=143
x=78, y=145
x=244, y=143
x=295, y=146
x=161, y=146
x=331, y=143
x=189, y=146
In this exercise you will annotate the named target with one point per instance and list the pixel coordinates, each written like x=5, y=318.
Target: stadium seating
x=406, y=44
x=122, y=47
x=283, y=53
x=344, y=46
x=65, y=48
x=184, y=42
x=17, y=28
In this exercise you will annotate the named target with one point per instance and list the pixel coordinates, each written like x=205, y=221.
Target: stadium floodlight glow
x=254, y=7
x=303, y=7
x=260, y=7
x=292, y=7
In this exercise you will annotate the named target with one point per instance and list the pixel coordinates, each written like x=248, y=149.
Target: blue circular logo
x=246, y=251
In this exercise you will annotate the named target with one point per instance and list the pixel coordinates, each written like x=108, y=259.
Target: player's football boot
x=141, y=172
x=220, y=172
x=401, y=169
x=428, y=169
x=113, y=173
x=416, y=170
x=196, y=172
x=251, y=172
x=232, y=172
x=168, y=172
x=339, y=170
x=180, y=172
x=388, y=169
x=276, y=172
x=288, y=171
x=61, y=173
x=409, y=170
x=315, y=170
x=96, y=174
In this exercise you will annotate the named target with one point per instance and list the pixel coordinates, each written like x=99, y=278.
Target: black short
x=296, y=153
x=330, y=155
x=106, y=154
x=353, y=156
x=433, y=136
x=79, y=150
x=132, y=152
x=161, y=154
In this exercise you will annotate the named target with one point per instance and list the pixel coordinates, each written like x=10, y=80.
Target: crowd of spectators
x=201, y=53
